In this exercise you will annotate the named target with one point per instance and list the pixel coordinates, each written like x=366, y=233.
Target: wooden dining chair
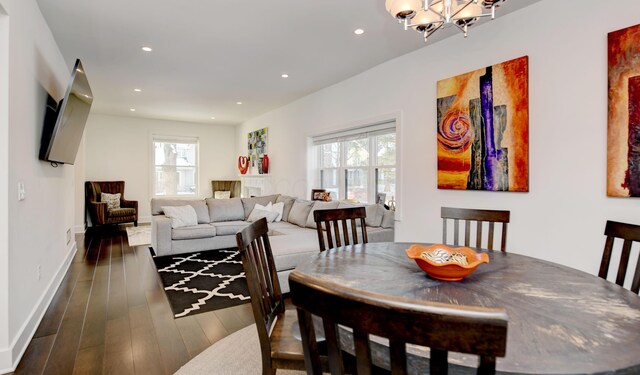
x=342, y=224
x=629, y=233
x=278, y=347
x=441, y=327
x=479, y=216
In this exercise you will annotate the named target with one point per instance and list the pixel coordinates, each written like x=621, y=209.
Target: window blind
x=355, y=133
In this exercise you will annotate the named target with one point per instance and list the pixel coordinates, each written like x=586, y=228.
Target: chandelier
x=429, y=16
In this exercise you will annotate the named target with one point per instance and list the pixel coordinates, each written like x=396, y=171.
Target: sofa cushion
x=225, y=209
x=193, y=232
x=374, y=212
x=181, y=216
x=248, y=203
x=226, y=228
x=198, y=204
x=319, y=205
x=288, y=203
x=388, y=218
x=299, y=212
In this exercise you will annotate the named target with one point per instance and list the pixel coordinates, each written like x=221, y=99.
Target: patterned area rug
x=203, y=281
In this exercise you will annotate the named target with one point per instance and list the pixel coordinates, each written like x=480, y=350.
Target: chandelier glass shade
x=429, y=16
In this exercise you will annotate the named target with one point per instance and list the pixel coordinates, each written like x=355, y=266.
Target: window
x=359, y=164
x=175, y=166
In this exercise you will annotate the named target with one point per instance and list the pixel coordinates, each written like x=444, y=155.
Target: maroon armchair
x=98, y=211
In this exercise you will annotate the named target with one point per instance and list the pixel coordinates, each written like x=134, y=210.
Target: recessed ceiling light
x=213, y=118
x=285, y=76
x=132, y=109
x=358, y=31
x=238, y=103
x=147, y=49
x=137, y=90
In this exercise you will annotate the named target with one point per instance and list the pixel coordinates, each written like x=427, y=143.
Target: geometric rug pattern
x=203, y=281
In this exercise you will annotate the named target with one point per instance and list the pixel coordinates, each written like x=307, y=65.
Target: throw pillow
x=299, y=212
x=319, y=205
x=112, y=200
x=277, y=207
x=258, y=214
x=288, y=203
x=222, y=194
x=181, y=216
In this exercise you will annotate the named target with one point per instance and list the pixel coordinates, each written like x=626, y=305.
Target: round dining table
x=561, y=320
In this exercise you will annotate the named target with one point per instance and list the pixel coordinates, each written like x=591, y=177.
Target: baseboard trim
x=10, y=358
x=142, y=220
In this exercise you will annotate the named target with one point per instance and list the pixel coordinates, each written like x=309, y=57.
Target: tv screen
x=64, y=122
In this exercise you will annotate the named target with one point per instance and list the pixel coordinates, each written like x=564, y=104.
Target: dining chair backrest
x=342, y=225
x=441, y=327
x=267, y=301
x=629, y=233
x=479, y=216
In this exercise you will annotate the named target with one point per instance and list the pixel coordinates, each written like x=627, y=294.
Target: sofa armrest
x=161, y=234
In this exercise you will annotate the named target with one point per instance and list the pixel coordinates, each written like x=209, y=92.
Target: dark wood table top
x=561, y=320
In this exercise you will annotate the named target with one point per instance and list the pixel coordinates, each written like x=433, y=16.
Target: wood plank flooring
x=110, y=316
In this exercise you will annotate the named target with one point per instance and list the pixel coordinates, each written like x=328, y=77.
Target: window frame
x=162, y=138
x=371, y=167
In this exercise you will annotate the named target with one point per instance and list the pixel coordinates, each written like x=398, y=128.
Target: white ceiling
x=209, y=54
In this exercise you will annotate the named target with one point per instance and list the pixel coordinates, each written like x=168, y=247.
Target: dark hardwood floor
x=111, y=316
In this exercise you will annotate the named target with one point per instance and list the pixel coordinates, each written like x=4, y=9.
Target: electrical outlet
x=68, y=235
x=39, y=269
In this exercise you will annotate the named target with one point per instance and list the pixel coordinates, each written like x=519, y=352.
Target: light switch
x=21, y=191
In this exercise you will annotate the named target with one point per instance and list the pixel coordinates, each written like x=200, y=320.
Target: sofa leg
x=135, y=223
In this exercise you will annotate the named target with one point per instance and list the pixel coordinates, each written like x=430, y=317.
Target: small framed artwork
x=381, y=198
x=316, y=194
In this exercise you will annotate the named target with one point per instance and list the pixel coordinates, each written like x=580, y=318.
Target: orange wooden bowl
x=449, y=271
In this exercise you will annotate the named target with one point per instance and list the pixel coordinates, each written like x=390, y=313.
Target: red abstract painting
x=623, y=141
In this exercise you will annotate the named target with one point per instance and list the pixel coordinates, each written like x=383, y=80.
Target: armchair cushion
x=121, y=212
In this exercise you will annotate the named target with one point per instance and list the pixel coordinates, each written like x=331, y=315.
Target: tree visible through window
x=359, y=166
x=176, y=166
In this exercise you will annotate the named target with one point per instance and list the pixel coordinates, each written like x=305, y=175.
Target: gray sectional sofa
x=293, y=239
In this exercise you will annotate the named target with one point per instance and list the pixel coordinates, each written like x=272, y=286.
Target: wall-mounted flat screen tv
x=64, y=122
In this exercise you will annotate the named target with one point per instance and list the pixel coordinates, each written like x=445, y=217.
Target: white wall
x=38, y=225
x=5, y=357
x=562, y=217
x=119, y=148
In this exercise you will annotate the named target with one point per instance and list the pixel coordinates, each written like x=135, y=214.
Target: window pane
x=386, y=149
x=357, y=153
x=175, y=168
x=330, y=155
x=387, y=183
x=357, y=185
x=330, y=181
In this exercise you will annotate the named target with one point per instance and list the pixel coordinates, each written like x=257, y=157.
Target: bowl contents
x=443, y=256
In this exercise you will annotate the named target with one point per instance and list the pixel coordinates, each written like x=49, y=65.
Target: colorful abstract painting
x=623, y=151
x=483, y=129
x=257, y=144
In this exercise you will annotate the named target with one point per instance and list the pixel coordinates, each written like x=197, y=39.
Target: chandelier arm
x=427, y=34
x=462, y=28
